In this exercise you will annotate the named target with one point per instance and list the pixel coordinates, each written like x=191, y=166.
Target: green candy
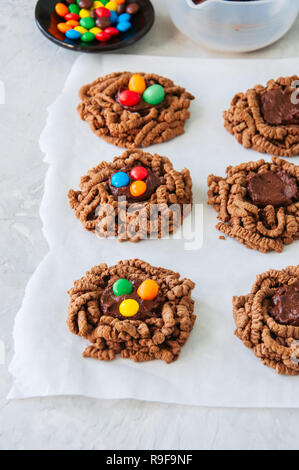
x=88, y=37
x=104, y=2
x=73, y=8
x=154, y=94
x=122, y=286
x=87, y=22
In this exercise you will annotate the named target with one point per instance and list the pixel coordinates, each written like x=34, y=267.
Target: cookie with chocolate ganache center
x=134, y=110
x=258, y=203
x=267, y=319
x=266, y=118
x=132, y=309
x=135, y=197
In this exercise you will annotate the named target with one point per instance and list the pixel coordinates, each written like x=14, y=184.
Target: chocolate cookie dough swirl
x=160, y=336
x=133, y=128
x=265, y=227
x=256, y=118
x=165, y=188
x=276, y=344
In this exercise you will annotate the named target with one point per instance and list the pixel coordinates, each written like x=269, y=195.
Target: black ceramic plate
x=47, y=21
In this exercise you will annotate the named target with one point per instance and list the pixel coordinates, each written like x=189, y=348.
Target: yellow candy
x=95, y=30
x=97, y=5
x=81, y=29
x=129, y=308
x=111, y=6
x=137, y=83
x=84, y=13
x=148, y=290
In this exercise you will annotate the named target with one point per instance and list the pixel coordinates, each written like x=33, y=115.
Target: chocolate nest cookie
x=133, y=309
x=258, y=203
x=138, y=195
x=135, y=123
x=267, y=320
x=266, y=119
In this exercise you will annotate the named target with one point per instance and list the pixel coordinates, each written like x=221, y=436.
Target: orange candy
x=61, y=9
x=73, y=23
x=63, y=27
x=138, y=188
x=119, y=2
x=137, y=83
x=148, y=290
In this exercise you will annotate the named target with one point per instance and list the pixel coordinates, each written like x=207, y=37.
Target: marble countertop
x=33, y=72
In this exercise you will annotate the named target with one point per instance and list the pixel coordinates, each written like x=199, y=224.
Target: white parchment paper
x=214, y=369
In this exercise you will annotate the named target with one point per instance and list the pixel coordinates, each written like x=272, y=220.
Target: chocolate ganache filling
x=278, y=109
x=285, y=305
x=152, y=182
x=109, y=303
x=270, y=188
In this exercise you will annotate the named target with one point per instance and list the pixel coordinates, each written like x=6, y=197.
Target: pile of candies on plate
x=89, y=20
x=138, y=90
x=148, y=290
x=138, y=174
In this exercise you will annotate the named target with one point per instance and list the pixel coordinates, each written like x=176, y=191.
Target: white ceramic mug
x=235, y=26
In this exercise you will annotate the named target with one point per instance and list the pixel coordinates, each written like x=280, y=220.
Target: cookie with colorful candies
x=132, y=309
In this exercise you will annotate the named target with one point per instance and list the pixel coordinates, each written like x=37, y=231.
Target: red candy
x=103, y=12
x=138, y=173
x=72, y=16
x=112, y=31
x=103, y=37
x=129, y=98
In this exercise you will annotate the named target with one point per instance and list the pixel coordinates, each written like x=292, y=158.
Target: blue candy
x=124, y=17
x=120, y=179
x=113, y=17
x=123, y=26
x=73, y=34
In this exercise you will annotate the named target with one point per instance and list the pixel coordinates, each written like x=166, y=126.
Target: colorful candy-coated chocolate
x=124, y=17
x=103, y=22
x=137, y=83
x=97, y=5
x=73, y=23
x=129, y=98
x=102, y=11
x=119, y=179
x=124, y=26
x=86, y=4
x=84, y=13
x=63, y=27
x=122, y=287
x=133, y=8
x=73, y=8
x=88, y=37
x=138, y=188
x=120, y=2
x=61, y=9
x=138, y=173
x=129, y=308
x=87, y=23
x=113, y=17
x=105, y=2
x=111, y=6
x=95, y=30
x=103, y=37
x=80, y=29
x=148, y=290
x=72, y=16
x=154, y=94
x=112, y=31
x=73, y=34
